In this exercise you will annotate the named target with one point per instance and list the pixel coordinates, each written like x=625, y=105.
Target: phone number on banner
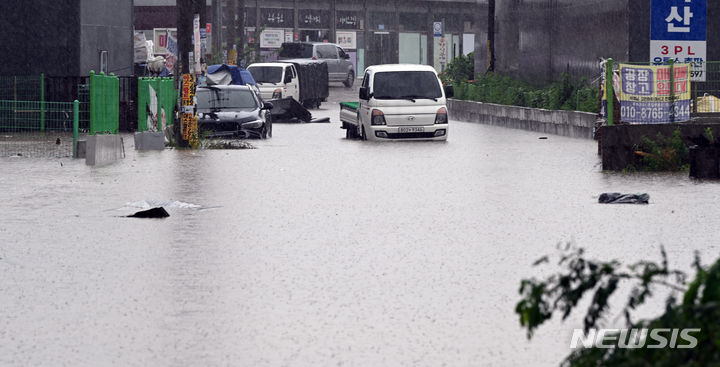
x=654, y=112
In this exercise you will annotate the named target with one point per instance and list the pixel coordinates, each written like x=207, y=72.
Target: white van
x=398, y=102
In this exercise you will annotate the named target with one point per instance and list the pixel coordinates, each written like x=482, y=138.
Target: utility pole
x=491, y=36
x=186, y=10
x=217, y=24
x=186, y=127
x=239, y=40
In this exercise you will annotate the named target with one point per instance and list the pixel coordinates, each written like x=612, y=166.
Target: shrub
x=564, y=94
x=664, y=154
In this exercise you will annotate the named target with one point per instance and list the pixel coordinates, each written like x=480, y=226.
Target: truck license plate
x=411, y=129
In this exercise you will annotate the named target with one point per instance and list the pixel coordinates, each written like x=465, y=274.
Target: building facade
x=372, y=31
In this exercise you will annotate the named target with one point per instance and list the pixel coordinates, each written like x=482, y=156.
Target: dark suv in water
x=233, y=111
x=340, y=69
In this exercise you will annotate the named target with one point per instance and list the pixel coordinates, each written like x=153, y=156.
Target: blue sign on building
x=678, y=20
x=678, y=33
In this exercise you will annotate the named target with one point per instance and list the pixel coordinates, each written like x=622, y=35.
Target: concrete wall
x=39, y=36
x=538, y=40
x=103, y=149
x=106, y=25
x=565, y=123
x=62, y=38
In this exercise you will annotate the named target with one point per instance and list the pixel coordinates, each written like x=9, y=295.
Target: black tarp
x=618, y=198
x=313, y=79
x=288, y=109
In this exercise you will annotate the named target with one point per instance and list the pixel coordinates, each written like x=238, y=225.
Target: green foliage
x=709, y=136
x=699, y=306
x=561, y=95
x=461, y=69
x=665, y=154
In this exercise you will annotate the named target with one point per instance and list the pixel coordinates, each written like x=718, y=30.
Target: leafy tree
x=460, y=70
x=689, y=305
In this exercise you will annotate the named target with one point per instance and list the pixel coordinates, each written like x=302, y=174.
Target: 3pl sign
x=678, y=32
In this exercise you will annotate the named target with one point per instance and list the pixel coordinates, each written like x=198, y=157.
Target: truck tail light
x=441, y=116
x=378, y=118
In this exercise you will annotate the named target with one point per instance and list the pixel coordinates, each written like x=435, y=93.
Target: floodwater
x=313, y=250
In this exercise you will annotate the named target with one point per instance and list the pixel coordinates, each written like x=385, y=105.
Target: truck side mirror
x=449, y=91
x=346, y=56
x=267, y=106
x=364, y=93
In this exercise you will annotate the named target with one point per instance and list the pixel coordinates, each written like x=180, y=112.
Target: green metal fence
x=40, y=129
x=22, y=88
x=706, y=95
x=104, y=103
x=150, y=115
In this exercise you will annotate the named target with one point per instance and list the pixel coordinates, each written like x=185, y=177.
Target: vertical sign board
x=196, y=67
x=678, y=32
x=647, y=96
x=189, y=122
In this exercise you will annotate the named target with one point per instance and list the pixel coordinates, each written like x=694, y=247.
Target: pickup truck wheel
x=350, y=131
x=350, y=80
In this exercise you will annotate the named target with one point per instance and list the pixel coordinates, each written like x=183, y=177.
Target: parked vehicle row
x=396, y=102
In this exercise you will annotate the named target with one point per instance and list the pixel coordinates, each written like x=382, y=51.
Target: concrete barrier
x=619, y=142
x=103, y=149
x=566, y=123
x=148, y=140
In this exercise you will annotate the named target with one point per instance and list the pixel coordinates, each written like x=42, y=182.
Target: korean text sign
x=678, y=32
x=649, y=95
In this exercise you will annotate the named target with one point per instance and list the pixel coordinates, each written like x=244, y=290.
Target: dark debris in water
x=618, y=198
x=158, y=212
x=227, y=144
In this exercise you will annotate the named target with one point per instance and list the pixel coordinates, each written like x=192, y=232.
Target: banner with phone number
x=645, y=94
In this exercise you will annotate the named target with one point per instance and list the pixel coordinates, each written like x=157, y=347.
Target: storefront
x=372, y=32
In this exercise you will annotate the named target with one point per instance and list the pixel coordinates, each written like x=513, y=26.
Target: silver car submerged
x=340, y=68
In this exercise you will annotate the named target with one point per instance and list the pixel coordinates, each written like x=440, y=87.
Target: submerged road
x=314, y=250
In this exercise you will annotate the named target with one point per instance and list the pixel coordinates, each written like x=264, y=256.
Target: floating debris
x=158, y=212
x=618, y=198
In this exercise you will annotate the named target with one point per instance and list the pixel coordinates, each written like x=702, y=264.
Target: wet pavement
x=314, y=250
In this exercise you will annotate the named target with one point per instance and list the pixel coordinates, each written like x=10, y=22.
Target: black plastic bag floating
x=158, y=212
x=618, y=198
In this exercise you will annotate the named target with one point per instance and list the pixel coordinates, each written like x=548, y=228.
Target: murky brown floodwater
x=315, y=251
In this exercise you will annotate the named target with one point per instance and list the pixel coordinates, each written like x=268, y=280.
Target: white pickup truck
x=398, y=102
x=276, y=80
x=306, y=81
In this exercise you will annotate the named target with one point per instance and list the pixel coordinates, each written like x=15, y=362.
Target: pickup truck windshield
x=406, y=85
x=225, y=99
x=266, y=74
x=296, y=51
